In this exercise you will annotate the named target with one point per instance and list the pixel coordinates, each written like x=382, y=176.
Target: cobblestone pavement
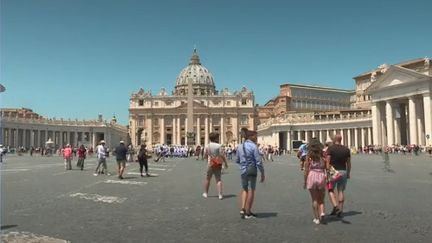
x=41, y=202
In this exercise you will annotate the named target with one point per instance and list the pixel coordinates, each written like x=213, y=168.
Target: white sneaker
x=316, y=221
x=204, y=195
x=220, y=197
x=95, y=174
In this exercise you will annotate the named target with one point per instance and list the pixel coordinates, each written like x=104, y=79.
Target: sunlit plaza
x=386, y=202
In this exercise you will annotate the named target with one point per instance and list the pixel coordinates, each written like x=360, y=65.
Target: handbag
x=251, y=169
x=333, y=174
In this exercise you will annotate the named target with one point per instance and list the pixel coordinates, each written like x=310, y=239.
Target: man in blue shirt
x=302, y=154
x=248, y=154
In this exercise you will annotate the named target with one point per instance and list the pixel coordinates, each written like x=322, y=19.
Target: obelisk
x=190, y=135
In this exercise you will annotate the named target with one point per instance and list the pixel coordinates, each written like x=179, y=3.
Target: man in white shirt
x=101, y=153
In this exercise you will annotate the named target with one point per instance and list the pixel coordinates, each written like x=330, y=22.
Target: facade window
x=156, y=103
x=228, y=103
x=228, y=121
x=244, y=120
x=140, y=121
x=140, y=102
x=244, y=101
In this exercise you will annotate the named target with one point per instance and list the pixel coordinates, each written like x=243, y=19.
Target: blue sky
x=78, y=58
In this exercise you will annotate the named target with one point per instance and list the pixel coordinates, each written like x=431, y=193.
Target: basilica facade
x=162, y=118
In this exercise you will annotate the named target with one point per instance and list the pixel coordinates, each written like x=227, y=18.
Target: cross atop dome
x=195, y=58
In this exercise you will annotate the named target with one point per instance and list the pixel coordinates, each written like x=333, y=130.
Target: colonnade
x=17, y=137
x=353, y=137
x=403, y=120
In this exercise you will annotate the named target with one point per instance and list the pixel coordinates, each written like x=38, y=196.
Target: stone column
x=390, y=123
x=376, y=124
x=362, y=134
x=178, y=131
x=236, y=130
x=397, y=131
x=412, y=120
x=321, y=136
x=349, y=142
x=15, y=143
x=327, y=135
x=162, y=130
x=370, y=136
x=198, y=131
x=427, y=117
x=186, y=129
x=342, y=132
x=75, y=138
x=314, y=134
x=206, y=130
x=356, y=144
x=174, y=132
x=420, y=119
x=149, y=127
x=60, y=139
x=222, y=130
x=211, y=124
x=276, y=139
x=24, y=138
x=289, y=136
x=32, y=138
x=39, y=139
x=94, y=142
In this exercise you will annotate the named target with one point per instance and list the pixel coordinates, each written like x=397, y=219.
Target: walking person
x=67, y=156
x=142, y=159
x=249, y=159
x=215, y=159
x=121, y=152
x=315, y=179
x=270, y=152
x=81, y=156
x=301, y=154
x=2, y=152
x=101, y=153
x=197, y=152
x=339, y=157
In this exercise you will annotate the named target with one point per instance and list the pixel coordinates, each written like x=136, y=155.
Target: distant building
x=391, y=105
x=305, y=98
x=161, y=118
x=25, y=128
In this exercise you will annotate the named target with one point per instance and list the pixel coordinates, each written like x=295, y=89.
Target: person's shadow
x=342, y=219
x=387, y=164
x=4, y=227
x=266, y=215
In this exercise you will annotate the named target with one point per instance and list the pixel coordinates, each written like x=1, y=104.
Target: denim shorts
x=248, y=182
x=341, y=183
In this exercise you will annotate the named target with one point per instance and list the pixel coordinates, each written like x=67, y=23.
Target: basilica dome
x=202, y=79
